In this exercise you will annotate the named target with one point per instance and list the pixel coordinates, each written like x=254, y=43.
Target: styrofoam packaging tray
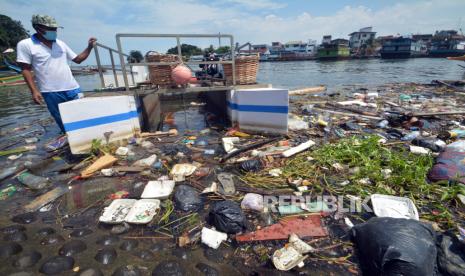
x=158, y=189
x=142, y=211
x=117, y=211
x=393, y=206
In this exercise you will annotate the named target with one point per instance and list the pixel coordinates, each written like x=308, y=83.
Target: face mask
x=50, y=35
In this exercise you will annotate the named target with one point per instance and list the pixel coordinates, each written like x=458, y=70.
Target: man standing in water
x=48, y=57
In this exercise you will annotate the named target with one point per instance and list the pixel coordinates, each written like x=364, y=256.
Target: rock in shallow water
x=108, y=240
x=181, y=253
x=25, y=218
x=52, y=239
x=57, y=264
x=72, y=248
x=106, y=256
x=80, y=233
x=120, y=229
x=213, y=255
x=91, y=272
x=46, y=231
x=206, y=269
x=22, y=273
x=13, y=229
x=49, y=219
x=168, y=268
x=156, y=247
x=128, y=245
x=15, y=237
x=144, y=254
x=127, y=270
x=10, y=249
x=27, y=259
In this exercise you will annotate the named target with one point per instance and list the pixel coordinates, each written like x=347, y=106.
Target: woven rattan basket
x=161, y=74
x=246, y=70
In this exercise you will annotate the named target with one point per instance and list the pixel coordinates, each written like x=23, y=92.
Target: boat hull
x=394, y=55
x=446, y=53
x=334, y=58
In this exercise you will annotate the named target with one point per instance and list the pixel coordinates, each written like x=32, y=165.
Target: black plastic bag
x=451, y=255
x=187, y=199
x=427, y=143
x=252, y=165
x=227, y=217
x=395, y=246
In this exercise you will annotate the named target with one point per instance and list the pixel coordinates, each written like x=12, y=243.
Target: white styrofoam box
x=231, y=103
x=143, y=211
x=158, y=189
x=90, y=118
x=262, y=110
x=140, y=75
x=116, y=212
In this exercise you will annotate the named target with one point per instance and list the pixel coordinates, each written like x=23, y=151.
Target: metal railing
x=113, y=67
x=178, y=41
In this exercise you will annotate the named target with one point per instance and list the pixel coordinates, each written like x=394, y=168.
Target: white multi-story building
x=364, y=36
x=301, y=47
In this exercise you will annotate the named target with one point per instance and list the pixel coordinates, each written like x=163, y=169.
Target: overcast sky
x=259, y=21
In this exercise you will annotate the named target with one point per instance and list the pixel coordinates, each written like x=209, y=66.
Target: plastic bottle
x=7, y=192
x=33, y=181
x=410, y=136
x=382, y=124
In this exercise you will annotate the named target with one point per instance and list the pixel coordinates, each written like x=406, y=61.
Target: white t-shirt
x=50, y=66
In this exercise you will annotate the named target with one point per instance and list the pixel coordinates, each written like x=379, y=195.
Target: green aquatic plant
x=365, y=163
x=97, y=148
x=169, y=208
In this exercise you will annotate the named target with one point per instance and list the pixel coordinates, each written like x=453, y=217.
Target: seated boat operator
x=48, y=57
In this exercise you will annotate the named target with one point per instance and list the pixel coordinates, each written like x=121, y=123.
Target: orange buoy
x=181, y=74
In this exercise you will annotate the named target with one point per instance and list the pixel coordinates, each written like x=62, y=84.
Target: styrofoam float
x=259, y=110
x=113, y=117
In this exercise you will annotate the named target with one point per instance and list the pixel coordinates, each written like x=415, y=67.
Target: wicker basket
x=246, y=70
x=161, y=74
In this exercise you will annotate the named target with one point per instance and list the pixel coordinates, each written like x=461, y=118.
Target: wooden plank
x=46, y=198
x=129, y=168
x=426, y=114
x=308, y=90
x=103, y=162
x=172, y=91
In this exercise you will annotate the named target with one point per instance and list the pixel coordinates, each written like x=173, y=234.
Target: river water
x=357, y=72
x=16, y=106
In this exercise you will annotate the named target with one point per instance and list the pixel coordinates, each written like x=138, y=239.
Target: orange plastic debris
x=303, y=227
x=103, y=162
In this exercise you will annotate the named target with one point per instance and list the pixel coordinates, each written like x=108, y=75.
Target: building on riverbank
x=447, y=43
x=425, y=40
x=401, y=47
x=361, y=43
x=333, y=49
x=292, y=50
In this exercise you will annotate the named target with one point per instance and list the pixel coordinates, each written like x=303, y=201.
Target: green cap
x=45, y=20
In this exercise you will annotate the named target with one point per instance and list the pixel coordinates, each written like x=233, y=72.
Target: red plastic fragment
x=303, y=227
